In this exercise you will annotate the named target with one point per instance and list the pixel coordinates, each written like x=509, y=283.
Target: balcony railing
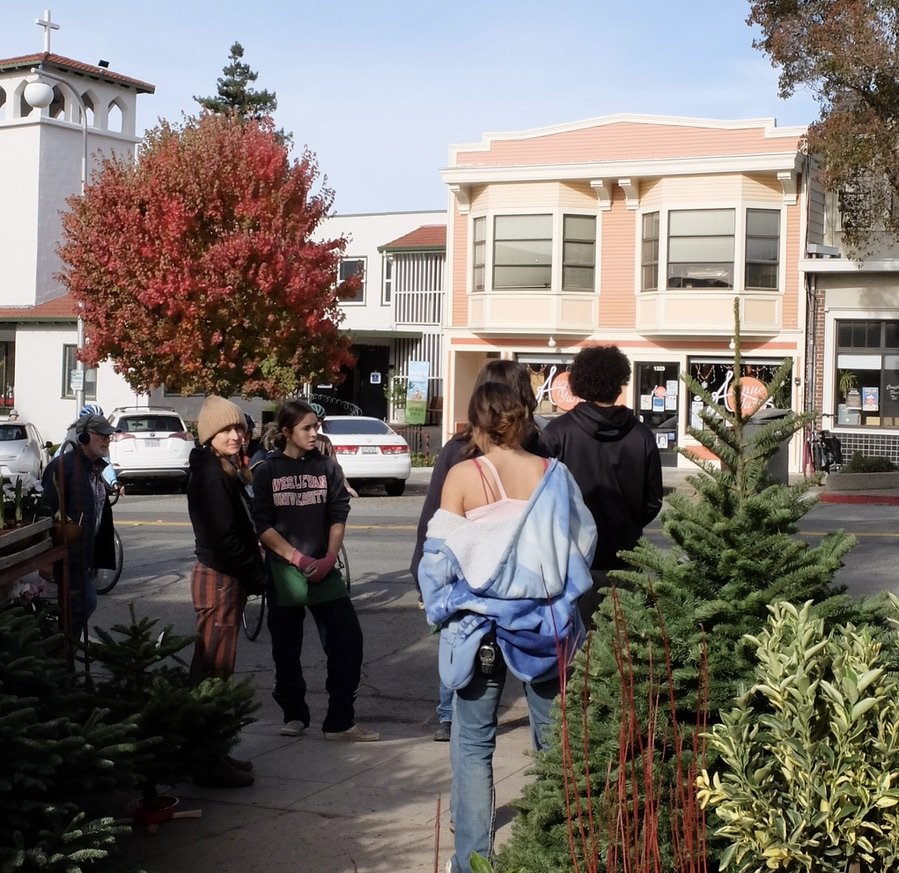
x=418, y=307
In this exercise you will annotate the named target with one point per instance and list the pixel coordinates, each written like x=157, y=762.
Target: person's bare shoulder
x=459, y=481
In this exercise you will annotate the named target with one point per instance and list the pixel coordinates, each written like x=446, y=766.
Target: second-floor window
x=701, y=248
x=578, y=252
x=479, y=253
x=522, y=251
x=386, y=279
x=534, y=252
x=352, y=267
x=711, y=248
x=649, y=260
x=762, y=248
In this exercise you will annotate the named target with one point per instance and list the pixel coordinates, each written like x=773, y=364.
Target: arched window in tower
x=115, y=117
x=88, y=101
x=57, y=108
x=2, y=101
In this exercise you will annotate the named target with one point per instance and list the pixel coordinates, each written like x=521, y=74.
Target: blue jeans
x=471, y=754
x=444, y=702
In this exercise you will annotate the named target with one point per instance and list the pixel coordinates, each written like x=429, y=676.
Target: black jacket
x=615, y=461
x=223, y=527
x=95, y=546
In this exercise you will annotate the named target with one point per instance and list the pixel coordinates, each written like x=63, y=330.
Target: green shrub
x=859, y=463
x=808, y=773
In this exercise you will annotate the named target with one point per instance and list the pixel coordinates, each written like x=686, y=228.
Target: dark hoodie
x=615, y=461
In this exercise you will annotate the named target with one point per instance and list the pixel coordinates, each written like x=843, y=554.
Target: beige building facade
x=634, y=230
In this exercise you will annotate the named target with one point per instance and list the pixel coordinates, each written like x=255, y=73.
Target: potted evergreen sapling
x=190, y=726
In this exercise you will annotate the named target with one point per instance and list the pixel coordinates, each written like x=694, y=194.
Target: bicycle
x=254, y=609
x=825, y=451
x=106, y=578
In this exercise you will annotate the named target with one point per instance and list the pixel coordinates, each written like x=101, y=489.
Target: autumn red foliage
x=195, y=265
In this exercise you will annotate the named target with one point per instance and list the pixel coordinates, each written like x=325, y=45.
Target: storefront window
x=717, y=376
x=866, y=377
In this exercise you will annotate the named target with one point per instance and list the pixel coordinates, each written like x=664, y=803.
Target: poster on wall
x=417, y=391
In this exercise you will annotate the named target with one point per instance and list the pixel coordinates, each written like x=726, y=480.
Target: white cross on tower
x=48, y=24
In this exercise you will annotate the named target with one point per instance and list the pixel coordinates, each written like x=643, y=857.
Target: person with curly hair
x=613, y=457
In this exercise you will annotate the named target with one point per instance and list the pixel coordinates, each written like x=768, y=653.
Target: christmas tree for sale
x=61, y=758
x=679, y=617
x=187, y=726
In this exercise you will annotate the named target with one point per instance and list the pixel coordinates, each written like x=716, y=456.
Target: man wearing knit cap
x=229, y=561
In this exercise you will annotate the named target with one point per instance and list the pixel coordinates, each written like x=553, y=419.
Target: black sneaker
x=442, y=734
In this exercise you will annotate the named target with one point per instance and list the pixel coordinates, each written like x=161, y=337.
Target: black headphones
x=84, y=437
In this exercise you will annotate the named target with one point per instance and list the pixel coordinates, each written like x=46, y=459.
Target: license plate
x=151, y=443
x=369, y=450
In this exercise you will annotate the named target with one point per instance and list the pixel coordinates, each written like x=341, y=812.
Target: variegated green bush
x=808, y=773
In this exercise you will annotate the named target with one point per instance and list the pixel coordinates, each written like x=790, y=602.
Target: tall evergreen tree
x=234, y=94
x=733, y=550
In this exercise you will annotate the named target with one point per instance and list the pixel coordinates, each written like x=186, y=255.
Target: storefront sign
x=561, y=394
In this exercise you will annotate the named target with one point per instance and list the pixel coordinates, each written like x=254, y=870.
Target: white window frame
x=90, y=375
x=485, y=249
x=386, y=279
x=740, y=227
x=350, y=259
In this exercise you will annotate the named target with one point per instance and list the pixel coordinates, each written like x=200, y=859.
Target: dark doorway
x=364, y=384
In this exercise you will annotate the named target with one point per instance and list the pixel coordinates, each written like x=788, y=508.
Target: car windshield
x=10, y=432
x=356, y=425
x=150, y=423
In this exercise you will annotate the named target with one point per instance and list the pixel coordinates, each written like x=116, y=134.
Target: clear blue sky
x=379, y=89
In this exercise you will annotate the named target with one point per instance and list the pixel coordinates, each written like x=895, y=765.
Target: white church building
x=50, y=146
x=45, y=153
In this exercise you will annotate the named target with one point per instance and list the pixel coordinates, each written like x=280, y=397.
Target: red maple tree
x=195, y=268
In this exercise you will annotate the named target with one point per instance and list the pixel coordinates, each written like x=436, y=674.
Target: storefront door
x=658, y=404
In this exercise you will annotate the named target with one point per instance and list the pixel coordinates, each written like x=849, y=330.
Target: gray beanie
x=216, y=414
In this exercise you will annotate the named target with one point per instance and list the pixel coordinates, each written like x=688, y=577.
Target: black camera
x=488, y=657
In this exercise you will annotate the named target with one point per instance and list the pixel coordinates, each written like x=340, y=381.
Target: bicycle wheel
x=253, y=613
x=343, y=564
x=105, y=579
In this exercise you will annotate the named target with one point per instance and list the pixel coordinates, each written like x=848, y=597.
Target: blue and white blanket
x=524, y=575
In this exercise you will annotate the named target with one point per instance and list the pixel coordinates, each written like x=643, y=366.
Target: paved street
x=332, y=807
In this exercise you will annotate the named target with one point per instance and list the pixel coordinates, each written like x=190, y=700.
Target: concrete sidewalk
x=342, y=807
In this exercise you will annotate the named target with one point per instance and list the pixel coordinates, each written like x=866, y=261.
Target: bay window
x=701, y=248
x=533, y=252
x=711, y=248
x=762, y=248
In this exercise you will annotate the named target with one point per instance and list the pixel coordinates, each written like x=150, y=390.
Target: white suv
x=152, y=443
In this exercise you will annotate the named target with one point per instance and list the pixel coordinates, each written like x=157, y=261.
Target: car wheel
x=395, y=487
